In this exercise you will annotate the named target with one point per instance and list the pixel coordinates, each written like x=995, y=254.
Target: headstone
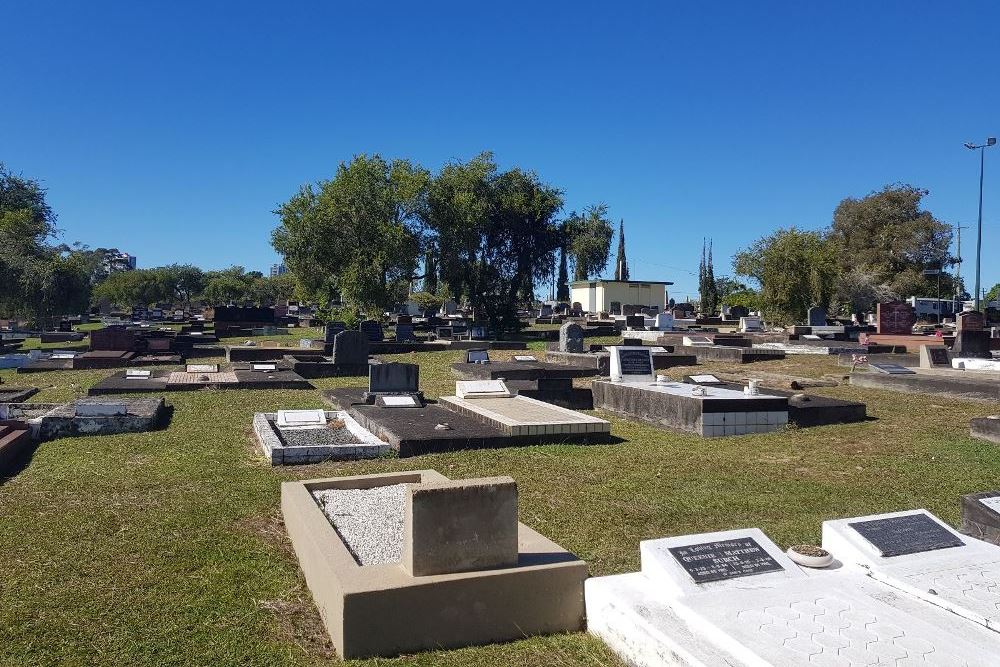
x=895, y=317
x=571, y=337
x=112, y=339
x=890, y=369
x=445, y=333
x=404, y=333
x=545, y=310
x=301, y=418
x=631, y=342
x=972, y=343
x=664, y=322
x=331, y=330
x=616, y=308
x=393, y=378
x=404, y=319
x=158, y=344
x=736, y=312
x=372, y=330
x=481, y=389
x=460, y=526
x=350, y=347
x=631, y=363
x=478, y=332
x=749, y=324
x=934, y=356
x=970, y=320
x=817, y=316
x=477, y=356
x=630, y=309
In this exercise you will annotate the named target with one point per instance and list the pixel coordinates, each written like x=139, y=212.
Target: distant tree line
x=472, y=232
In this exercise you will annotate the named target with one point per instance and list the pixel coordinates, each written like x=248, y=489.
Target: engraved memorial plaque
x=909, y=534
x=726, y=559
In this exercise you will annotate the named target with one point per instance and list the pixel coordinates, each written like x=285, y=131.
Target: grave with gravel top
x=310, y=436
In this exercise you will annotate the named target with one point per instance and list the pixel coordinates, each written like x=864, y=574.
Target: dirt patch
x=299, y=622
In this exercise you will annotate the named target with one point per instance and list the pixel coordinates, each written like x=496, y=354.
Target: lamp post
x=990, y=141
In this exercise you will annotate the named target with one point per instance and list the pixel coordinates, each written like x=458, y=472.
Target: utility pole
x=990, y=141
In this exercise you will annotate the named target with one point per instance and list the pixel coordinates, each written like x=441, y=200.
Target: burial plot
x=748, y=324
x=404, y=334
x=734, y=598
x=817, y=316
x=202, y=368
x=918, y=554
x=477, y=356
x=331, y=330
x=394, y=380
x=631, y=363
x=372, y=331
x=635, y=322
x=99, y=416
x=692, y=341
x=571, y=337
x=311, y=436
x=447, y=556
x=934, y=356
x=981, y=516
x=895, y=317
x=15, y=437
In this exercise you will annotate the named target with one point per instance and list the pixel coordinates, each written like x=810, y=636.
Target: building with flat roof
x=278, y=269
x=608, y=296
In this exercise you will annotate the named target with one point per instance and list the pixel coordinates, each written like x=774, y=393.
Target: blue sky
x=172, y=130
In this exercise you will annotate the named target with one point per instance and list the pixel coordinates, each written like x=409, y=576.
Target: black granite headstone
x=635, y=362
x=726, y=559
x=372, y=330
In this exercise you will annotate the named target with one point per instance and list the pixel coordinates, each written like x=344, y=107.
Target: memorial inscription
x=635, y=362
x=909, y=534
x=727, y=559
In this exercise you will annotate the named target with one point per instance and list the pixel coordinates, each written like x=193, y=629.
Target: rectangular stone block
x=460, y=526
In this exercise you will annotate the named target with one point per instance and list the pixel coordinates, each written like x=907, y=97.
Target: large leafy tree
x=496, y=234
x=795, y=269
x=589, y=241
x=356, y=235
x=890, y=238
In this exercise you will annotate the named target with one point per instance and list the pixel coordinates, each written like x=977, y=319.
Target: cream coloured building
x=597, y=296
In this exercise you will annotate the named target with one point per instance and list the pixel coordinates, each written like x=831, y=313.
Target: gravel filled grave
x=334, y=433
x=370, y=521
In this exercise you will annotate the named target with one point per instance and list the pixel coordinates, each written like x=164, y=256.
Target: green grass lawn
x=167, y=548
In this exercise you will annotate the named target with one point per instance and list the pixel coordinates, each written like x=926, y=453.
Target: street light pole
x=990, y=141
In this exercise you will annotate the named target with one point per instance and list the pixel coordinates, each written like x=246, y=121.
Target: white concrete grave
x=697, y=340
x=664, y=322
x=750, y=323
x=631, y=363
x=917, y=553
x=973, y=364
x=301, y=419
x=470, y=389
x=734, y=598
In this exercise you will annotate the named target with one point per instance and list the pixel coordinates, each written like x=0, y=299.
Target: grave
x=372, y=331
x=202, y=368
x=394, y=381
x=10, y=394
x=750, y=324
x=571, y=337
x=735, y=598
x=696, y=341
x=635, y=322
x=890, y=368
x=731, y=354
x=331, y=330
x=705, y=410
x=15, y=438
x=981, y=516
x=664, y=322
x=312, y=436
x=986, y=428
x=477, y=356
x=950, y=384
x=934, y=356
x=971, y=364
x=405, y=334
x=972, y=343
x=97, y=416
x=922, y=557
x=895, y=318
x=519, y=416
x=520, y=370
x=447, y=556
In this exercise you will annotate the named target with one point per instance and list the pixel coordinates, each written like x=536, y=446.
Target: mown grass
x=166, y=548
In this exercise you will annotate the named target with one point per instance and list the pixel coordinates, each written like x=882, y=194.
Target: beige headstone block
x=460, y=526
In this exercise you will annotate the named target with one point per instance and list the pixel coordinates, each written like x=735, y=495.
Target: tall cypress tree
x=711, y=291
x=621, y=263
x=562, y=286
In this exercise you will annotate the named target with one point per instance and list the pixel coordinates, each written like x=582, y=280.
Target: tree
x=496, y=234
x=562, y=282
x=356, y=235
x=589, y=241
x=126, y=289
x=621, y=263
x=993, y=294
x=796, y=269
x=426, y=301
x=858, y=290
x=891, y=239
x=707, y=288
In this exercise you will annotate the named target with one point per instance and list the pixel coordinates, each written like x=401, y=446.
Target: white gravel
x=370, y=521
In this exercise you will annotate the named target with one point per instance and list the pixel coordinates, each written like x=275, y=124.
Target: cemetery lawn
x=167, y=548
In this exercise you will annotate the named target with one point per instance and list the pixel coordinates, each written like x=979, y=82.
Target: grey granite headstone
x=350, y=347
x=817, y=316
x=332, y=329
x=393, y=378
x=571, y=337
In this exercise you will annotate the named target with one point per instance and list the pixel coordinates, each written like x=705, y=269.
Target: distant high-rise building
x=121, y=261
x=278, y=269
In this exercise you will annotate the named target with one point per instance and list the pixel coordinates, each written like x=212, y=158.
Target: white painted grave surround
x=301, y=419
x=469, y=389
x=963, y=579
x=753, y=606
x=696, y=340
x=627, y=371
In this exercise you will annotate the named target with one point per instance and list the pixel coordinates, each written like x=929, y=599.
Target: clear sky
x=172, y=130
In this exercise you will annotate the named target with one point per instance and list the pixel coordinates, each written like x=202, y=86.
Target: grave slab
x=954, y=384
x=15, y=437
x=520, y=370
x=338, y=438
x=520, y=416
x=918, y=554
x=734, y=598
x=84, y=417
x=9, y=394
x=981, y=516
x=541, y=593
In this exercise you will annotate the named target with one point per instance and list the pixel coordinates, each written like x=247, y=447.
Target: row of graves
x=394, y=414
x=451, y=557
x=247, y=375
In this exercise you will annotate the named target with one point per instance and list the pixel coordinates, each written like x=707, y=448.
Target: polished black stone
x=910, y=534
x=726, y=559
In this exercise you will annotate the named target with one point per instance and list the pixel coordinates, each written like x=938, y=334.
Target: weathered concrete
x=523, y=417
x=10, y=394
x=933, y=382
x=260, y=353
x=15, y=436
x=734, y=355
x=981, y=516
x=601, y=361
x=278, y=453
x=460, y=526
x=142, y=414
x=520, y=370
x=541, y=594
